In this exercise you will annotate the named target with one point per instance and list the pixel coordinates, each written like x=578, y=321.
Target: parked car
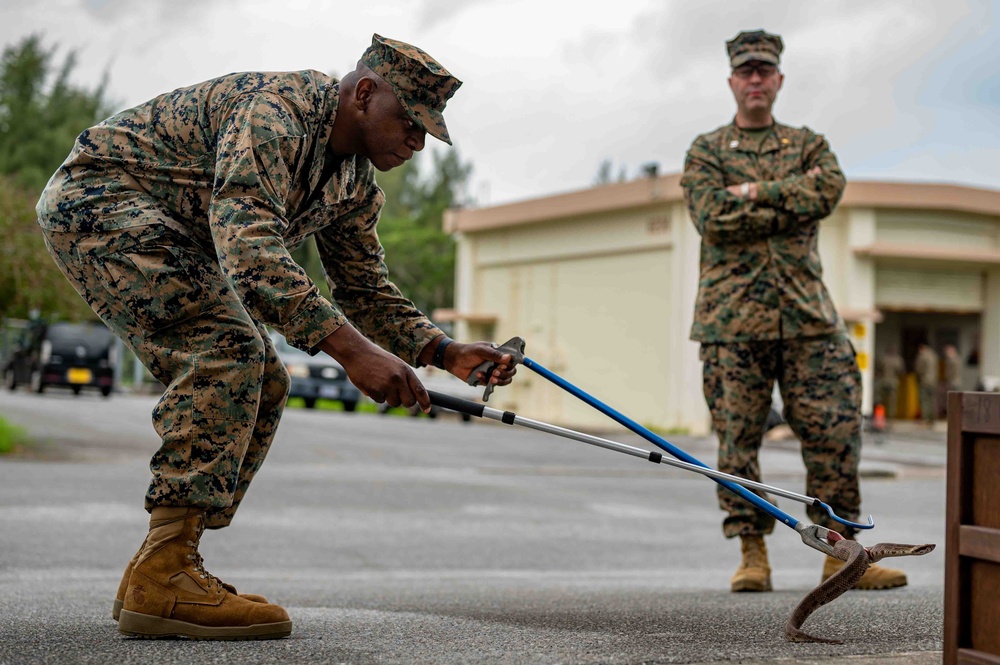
x=316, y=377
x=65, y=355
x=446, y=383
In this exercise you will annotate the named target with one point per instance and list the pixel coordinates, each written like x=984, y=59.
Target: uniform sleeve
x=354, y=261
x=721, y=217
x=259, y=145
x=809, y=196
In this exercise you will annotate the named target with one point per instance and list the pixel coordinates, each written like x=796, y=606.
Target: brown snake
x=858, y=559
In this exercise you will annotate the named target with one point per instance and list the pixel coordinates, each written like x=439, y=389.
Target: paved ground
x=398, y=540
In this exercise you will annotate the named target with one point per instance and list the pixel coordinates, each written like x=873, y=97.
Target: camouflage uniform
x=888, y=370
x=926, y=369
x=763, y=314
x=175, y=219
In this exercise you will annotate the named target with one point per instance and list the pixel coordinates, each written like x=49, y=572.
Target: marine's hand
x=376, y=373
x=745, y=190
x=461, y=359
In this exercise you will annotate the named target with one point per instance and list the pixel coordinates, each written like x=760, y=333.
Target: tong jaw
x=816, y=536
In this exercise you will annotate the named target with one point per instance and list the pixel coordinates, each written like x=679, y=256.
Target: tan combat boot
x=116, y=609
x=754, y=573
x=876, y=577
x=170, y=594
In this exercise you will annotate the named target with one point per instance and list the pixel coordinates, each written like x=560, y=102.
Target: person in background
x=889, y=369
x=952, y=368
x=757, y=191
x=926, y=368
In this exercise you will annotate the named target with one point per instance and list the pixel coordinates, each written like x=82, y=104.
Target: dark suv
x=68, y=355
x=316, y=377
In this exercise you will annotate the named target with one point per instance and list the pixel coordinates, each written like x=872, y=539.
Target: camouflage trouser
x=821, y=387
x=928, y=410
x=888, y=396
x=225, y=385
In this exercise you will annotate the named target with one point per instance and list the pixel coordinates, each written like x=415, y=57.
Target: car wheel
x=106, y=391
x=76, y=390
x=310, y=402
x=350, y=406
x=36, y=382
x=9, y=379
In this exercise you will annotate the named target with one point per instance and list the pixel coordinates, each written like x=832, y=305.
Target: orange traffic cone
x=878, y=418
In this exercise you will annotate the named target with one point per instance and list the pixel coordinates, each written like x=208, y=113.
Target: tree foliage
x=420, y=255
x=29, y=278
x=41, y=113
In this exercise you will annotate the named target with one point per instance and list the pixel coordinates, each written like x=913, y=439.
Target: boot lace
x=198, y=562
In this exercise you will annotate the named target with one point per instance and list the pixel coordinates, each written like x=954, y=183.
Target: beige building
x=601, y=284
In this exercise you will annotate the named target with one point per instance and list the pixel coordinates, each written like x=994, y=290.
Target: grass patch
x=11, y=437
x=364, y=406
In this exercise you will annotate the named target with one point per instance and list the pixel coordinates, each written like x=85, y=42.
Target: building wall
x=596, y=301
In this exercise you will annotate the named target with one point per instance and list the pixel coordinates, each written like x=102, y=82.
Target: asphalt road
x=401, y=540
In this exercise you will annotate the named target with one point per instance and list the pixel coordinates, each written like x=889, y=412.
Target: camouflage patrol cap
x=421, y=84
x=754, y=45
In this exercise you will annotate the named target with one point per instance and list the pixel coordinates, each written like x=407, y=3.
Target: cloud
x=553, y=88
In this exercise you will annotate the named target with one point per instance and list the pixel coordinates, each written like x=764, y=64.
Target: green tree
x=420, y=255
x=29, y=278
x=41, y=113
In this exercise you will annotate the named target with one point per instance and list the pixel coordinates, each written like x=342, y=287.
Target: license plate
x=78, y=375
x=329, y=392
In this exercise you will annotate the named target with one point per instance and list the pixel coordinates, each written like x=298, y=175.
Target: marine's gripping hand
x=464, y=360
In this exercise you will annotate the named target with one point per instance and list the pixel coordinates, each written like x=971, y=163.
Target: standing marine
x=757, y=191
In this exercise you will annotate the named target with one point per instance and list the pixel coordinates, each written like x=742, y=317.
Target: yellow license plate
x=79, y=375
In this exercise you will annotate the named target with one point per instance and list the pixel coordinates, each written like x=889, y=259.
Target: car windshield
x=94, y=337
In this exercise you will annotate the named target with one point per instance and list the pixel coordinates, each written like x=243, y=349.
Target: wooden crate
x=972, y=540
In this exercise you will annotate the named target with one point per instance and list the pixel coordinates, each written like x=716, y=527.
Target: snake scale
x=858, y=559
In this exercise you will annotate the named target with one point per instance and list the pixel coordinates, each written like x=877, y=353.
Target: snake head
x=883, y=550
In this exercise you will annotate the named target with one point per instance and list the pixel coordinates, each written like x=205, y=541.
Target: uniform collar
x=343, y=180
x=736, y=139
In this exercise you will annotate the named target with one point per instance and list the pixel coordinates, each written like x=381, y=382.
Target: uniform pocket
x=157, y=277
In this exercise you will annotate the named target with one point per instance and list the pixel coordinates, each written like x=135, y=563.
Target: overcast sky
x=903, y=89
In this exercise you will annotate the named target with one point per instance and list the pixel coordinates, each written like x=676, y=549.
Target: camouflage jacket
x=761, y=277
x=241, y=164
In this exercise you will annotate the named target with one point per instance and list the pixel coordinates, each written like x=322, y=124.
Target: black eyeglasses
x=763, y=68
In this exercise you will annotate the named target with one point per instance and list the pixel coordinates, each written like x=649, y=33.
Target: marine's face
x=389, y=135
x=755, y=86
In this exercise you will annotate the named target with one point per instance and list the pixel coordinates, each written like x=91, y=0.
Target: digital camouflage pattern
x=763, y=314
x=175, y=219
x=821, y=388
x=225, y=385
x=760, y=266
x=754, y=45
x=421, y=84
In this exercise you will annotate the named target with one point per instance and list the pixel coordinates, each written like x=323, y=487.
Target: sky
x=902, y=89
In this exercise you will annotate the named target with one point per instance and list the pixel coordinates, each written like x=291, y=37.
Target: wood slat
x=979, y=543
x=980, y=413
x=973, y=657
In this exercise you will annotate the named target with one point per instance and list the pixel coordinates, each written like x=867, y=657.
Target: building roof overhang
x=664, y=189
